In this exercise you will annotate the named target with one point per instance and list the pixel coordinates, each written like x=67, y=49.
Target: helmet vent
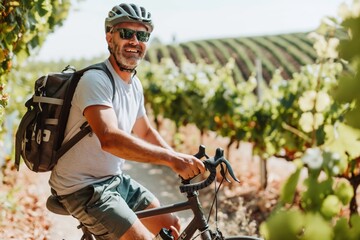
x=128, y=12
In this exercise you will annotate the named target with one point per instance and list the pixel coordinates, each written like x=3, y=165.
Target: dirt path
x=62, y=227
x=160, y=180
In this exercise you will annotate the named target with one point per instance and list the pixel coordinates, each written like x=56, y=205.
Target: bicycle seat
x=53, y=205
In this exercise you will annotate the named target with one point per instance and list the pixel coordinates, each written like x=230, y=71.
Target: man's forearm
x=155, y=138
x=152, y=149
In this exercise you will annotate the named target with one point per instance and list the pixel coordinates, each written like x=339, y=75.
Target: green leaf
x=42, y=7
x=349, y=49
x=344, y=140
x=289, y=188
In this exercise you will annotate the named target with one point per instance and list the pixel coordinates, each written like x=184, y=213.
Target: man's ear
x=109, y=38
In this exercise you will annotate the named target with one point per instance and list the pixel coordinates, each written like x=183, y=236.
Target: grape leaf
x=344, y=140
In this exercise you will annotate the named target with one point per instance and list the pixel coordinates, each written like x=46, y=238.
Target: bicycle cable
x=215, y=201
x=200, y=233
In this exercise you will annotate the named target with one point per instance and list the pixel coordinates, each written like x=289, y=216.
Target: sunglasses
x=126, y=33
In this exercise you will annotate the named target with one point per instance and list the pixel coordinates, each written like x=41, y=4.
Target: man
x=88, y=178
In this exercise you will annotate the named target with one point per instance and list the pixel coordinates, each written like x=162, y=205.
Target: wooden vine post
x=259, y=93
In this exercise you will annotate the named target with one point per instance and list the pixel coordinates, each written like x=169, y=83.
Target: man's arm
x=103, y=122
x=145, y=131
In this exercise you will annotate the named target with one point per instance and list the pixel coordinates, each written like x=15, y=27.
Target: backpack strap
x=85, y=128
x=26, y=120
x=102, y=66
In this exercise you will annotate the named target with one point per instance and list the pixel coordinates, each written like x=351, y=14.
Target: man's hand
x=187, y=166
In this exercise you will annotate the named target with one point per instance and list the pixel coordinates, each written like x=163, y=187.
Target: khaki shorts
x=107, y=208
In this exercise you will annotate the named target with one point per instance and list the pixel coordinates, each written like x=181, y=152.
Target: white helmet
x=128, y=13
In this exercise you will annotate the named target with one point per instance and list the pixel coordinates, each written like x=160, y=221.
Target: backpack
x=40, y=135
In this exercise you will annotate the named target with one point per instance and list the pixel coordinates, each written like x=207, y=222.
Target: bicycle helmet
x=128, y=13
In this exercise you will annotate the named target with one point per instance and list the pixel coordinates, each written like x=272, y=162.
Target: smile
x=132, y=50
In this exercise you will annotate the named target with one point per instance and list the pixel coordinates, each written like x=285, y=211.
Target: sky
x=82, y=34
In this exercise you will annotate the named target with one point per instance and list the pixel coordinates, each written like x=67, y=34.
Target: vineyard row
x=287, y=52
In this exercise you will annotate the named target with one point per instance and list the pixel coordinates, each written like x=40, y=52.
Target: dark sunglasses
x=126, y=33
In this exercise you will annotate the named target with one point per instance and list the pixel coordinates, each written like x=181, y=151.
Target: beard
x=127, y=60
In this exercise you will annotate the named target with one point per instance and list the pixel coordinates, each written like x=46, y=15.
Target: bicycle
x=199, y=223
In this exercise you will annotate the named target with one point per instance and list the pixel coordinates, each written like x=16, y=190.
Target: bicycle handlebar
x=211, y=164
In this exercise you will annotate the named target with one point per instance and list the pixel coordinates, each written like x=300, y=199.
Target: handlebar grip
x=200, y=185
x=200, y=154
x=211, y=164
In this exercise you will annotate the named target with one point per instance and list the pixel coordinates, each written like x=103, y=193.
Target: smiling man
x=88, y=179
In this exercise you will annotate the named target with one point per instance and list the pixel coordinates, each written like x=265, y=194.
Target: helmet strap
x=125, y=69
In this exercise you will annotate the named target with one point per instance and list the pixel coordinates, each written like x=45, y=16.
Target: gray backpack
x=41, y=130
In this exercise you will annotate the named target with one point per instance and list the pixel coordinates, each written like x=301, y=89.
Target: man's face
x=127, y=52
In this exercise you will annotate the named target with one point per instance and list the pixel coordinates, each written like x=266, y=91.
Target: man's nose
x=134, y=38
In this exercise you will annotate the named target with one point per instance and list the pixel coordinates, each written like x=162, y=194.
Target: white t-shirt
x=86, y=163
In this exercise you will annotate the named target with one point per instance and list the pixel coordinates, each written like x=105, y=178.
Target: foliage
x=300, y=110
x=188, y=94
x=349, y=49
x=24, y=27
x=329, y=154
x=207, y=96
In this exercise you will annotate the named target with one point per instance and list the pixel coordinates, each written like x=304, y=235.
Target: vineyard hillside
x=287, y=52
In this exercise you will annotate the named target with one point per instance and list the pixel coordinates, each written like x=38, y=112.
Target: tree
x=24, y=25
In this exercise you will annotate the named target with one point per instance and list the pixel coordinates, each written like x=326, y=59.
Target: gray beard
x=123, y=67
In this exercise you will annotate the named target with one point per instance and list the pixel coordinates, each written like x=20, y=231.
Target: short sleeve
x=94, y=88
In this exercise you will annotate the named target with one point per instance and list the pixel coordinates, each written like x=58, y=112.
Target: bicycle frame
x=198, y=222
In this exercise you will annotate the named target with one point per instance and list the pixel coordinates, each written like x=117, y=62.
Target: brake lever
x=223, y=173
x=229, y=168
x=213, y=162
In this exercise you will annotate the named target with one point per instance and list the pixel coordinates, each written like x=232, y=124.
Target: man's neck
x=124, y=75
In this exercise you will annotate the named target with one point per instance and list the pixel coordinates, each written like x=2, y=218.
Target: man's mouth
x=132, y=50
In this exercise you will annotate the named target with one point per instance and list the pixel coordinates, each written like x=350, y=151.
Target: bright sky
x=82, y=35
